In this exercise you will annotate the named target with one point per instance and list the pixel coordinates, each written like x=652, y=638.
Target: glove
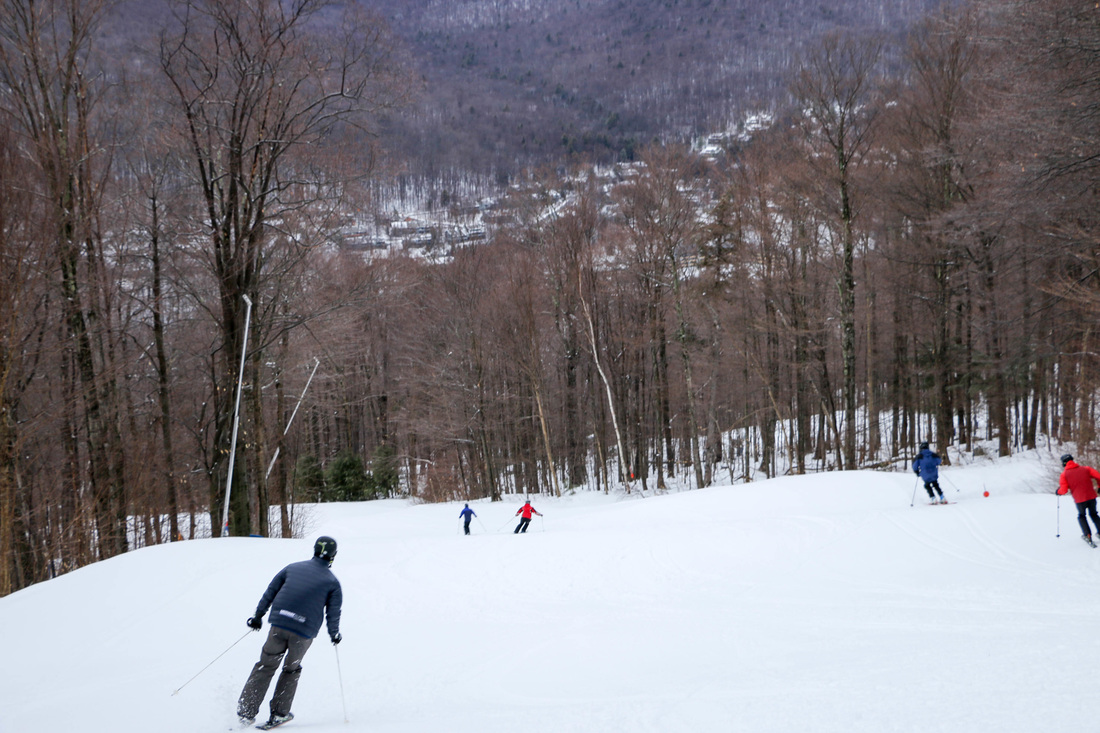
x=336, y=638
x=255, y=622
x=1062, y=492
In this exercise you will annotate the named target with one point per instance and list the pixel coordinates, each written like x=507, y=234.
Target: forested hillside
x=508, y=84
x=192, y=332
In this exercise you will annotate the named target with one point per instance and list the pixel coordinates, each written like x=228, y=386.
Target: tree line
x=908, y=253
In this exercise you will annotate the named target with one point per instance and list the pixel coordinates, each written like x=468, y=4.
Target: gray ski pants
x=279, y=642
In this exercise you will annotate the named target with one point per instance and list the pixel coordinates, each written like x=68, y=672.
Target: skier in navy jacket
x=926, y=465
x=466, y=514
x=301, y=596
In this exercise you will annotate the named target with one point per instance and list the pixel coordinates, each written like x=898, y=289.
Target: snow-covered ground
x=807, y=604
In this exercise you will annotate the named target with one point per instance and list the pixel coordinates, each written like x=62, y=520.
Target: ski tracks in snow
x=986, y=551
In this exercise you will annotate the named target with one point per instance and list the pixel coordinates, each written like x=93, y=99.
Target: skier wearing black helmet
x=301, y=596
x=1078, y=480
x=926, y=465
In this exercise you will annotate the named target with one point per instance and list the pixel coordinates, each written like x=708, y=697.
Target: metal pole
x=238, y=641
x=316, y=363
x=236, y=416
x=1058, y=513
x=340, y=678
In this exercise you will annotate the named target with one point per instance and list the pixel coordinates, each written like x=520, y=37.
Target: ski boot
x=246, y=719
x=1088, y=538
x=276, y=721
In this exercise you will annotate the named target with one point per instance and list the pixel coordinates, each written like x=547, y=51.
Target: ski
x=269, y=724
x=937, y=503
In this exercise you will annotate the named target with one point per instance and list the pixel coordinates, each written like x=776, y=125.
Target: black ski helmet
x=325, y=548
x=924, y=445
x=1066, y=458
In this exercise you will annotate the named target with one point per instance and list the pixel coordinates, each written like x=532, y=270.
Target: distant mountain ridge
x=510, y=83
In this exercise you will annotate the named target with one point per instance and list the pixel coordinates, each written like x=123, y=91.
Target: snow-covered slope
x=821, y=603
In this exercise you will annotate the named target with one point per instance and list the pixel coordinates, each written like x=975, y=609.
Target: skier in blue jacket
x=466, y=514
x=301, y=596
x=926, y=465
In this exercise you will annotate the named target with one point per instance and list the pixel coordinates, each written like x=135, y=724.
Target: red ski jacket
x=1077, y=479
x=527, y=510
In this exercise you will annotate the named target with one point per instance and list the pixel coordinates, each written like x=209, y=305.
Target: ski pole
x=340, y=678
x=1058, y=514
x=542, y=524
x=482, y=525
x=914, y=499
x=953, y=484
x=238, y=641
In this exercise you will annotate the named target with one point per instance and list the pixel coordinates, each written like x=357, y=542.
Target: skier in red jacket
x=527, y=510
x=1078, y=480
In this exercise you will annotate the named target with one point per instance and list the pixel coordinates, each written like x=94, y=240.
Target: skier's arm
x=269, y=594
x=1094, y=473
x=332, y=611
x=1063, y=485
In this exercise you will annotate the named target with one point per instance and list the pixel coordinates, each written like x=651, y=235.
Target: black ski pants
x=279, y=642
x=522, y=526
x=466, y=526
x=1089, y=508
x=929, y=485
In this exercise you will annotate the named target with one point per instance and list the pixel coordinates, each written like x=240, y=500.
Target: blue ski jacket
x=927, y=465
x=467, y=513
x=301, y=596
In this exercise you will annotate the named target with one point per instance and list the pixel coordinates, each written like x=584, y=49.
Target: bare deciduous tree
x=836, y=91
x=257, y=86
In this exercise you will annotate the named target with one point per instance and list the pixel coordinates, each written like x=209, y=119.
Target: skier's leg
x=525, y=521
x=1091, y=505
x=936, y=486
x=928, y=488
x=256, y=686
x=1082, y=508
x=516, y=530
x=288, y=679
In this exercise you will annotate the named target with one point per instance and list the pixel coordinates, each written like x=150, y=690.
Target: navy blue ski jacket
x=926, y=464
x=301, y=596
